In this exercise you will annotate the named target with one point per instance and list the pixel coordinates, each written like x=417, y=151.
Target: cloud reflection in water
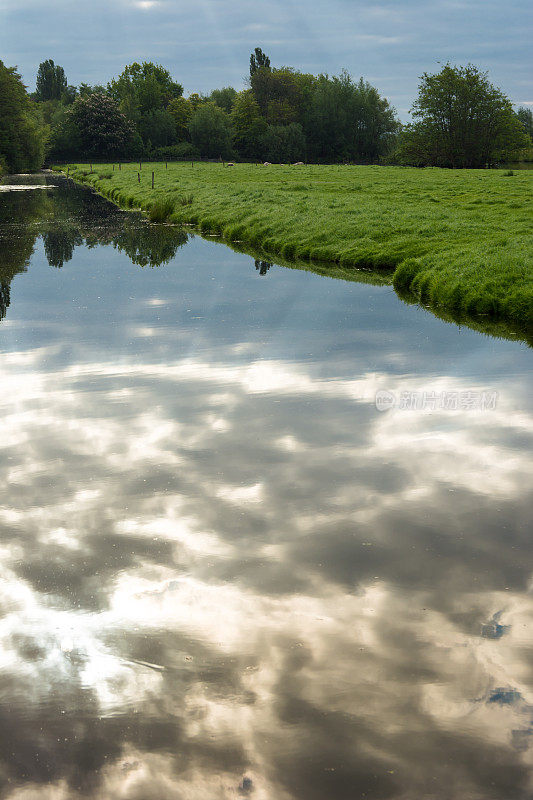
x=226, y=574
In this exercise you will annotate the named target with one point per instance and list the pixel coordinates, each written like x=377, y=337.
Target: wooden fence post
x=138, y=177
x=152, y=180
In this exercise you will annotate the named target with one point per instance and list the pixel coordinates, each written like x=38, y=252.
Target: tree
x=68, y=95
x=258, y=60
x=525, y=115
x=85, y=89
x=181, y=111
x=223, y=98
x=347, y=121
x=195, y=100
x=283, y=143
x=23, y=133
x=102, y=128
x=143, y=91
x=65, y=142
x=157, y=128
x=279, y=94
x=211, y=131
x=143, y=88
x=463, y=121
x=51, y=81
x=248, y=125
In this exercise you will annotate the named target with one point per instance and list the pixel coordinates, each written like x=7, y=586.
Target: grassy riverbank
x=458, y=241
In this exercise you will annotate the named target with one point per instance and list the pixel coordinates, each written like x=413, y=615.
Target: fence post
x=166, y=164
x=152, y=180
x=140, y=165
x=138, y=177
x=113, y=167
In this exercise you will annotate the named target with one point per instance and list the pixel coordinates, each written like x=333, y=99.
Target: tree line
x=283, y=115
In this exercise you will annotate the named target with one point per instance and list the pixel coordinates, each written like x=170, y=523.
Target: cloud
x=208, y=44
x=146, y=5
x=373, y=38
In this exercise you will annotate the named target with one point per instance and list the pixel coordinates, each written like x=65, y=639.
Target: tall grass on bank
x=459, y=241
x=161, y=210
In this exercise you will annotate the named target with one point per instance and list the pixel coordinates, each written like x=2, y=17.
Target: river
x=264, y=533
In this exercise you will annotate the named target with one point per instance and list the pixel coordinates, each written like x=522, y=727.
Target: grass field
x=458, y=241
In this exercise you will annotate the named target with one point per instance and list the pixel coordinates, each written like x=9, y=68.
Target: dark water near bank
x=225, y=572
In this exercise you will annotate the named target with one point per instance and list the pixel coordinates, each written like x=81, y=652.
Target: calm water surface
x=224, y=571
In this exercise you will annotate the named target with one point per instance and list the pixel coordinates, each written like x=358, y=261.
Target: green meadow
x=457, y=241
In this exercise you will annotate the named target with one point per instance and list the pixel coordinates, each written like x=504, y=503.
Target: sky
x=206, y=44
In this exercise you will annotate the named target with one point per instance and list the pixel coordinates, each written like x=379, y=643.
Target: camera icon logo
x=385, y=400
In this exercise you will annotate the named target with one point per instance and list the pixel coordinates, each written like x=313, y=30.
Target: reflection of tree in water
x=150, y=245
x=19, y=213
x=59, y=245
x=96, y=221
x=262, y=266
x=146, y=245
x=68, y=217
x=4, y=297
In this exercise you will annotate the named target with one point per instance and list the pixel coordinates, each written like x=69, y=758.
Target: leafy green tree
x=279, y=94
x=65, y=140
x=525, y=115
x=158, y=128
x=281, y=112
x=283, y=143
x=144, y=87
x=85, y=89
x=462, y=121
x=258, y=60
x=51, y=81
x=102, y=128
x=210, y=131
x=223, y=98
x=195, y=100
x=376, y=125
x=23, y=133
x=248, y=125
x=181, y=114
x=347, y=121
x=68, y=95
